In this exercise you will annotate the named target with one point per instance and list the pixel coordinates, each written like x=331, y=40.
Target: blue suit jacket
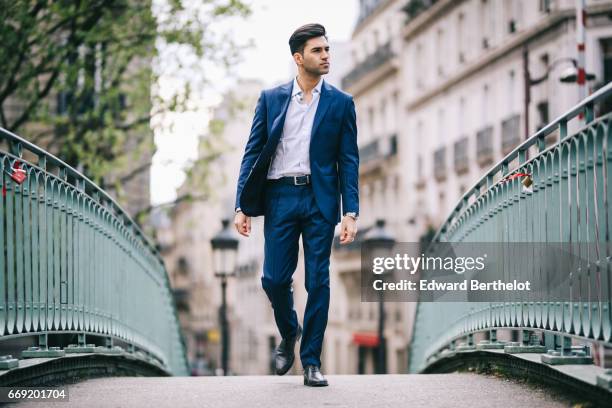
x=334, y=157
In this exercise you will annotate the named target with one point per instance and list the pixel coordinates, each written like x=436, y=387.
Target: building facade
x=375, y=83
x=465, y=101
x=185, y=240
x=443, y=90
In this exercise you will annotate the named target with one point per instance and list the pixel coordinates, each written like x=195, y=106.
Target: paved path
x=435, y=390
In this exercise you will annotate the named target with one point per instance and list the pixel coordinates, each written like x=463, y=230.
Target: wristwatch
x=353, y=215
x=238, y=210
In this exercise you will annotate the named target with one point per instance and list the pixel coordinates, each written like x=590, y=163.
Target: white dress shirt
x=292, y=156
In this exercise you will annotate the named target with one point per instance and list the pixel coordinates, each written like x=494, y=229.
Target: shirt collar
x=297, y=90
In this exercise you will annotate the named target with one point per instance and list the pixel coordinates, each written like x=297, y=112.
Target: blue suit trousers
x=291, y=211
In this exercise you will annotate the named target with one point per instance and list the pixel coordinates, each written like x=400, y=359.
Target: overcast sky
x=269, y=26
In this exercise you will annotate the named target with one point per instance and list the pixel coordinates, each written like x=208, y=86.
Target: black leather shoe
x=313, y=377
x=285, y=353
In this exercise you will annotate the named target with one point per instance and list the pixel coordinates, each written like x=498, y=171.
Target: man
x=300, y=159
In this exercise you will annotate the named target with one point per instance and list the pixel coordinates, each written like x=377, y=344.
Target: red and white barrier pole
x=580, y=41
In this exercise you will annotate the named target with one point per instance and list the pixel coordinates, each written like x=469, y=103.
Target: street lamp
x=380, y=243
x=570, y=75
x=225, y=247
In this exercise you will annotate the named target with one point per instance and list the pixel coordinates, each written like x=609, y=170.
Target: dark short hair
x=304, y=33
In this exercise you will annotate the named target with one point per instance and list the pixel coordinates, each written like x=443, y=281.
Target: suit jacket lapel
x=324, y=102
x=277, y=125
x=276, y=129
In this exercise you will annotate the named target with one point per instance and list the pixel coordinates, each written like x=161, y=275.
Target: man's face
x=316, y=56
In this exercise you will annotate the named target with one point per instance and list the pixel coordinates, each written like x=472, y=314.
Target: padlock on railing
x=527, y=181
x=17, y=174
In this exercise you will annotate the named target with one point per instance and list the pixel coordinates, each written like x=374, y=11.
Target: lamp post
x=380, y=243
x=225, y=247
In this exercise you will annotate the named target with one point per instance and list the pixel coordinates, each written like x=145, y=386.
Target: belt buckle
x=295, y=180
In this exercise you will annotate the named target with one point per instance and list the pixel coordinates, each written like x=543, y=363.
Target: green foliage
x=78, y=77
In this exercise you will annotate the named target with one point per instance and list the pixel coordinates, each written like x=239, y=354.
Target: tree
x=82, y=74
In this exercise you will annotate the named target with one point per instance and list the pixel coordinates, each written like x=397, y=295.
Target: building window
x=460, y=39
x=544, y=62
x=440, y=164
x=461, y=116
x=511, y=15
x=484, y=146
x=485, y=103
x=419, y=61
x=511, y=26
x=543, y=117
x=545, y=6
x=181, y=300
x=606, y=54
x=485, y=23
x=510, y=134
x=511, y=90
x=383, y=115
x=393, y=145
x=369, y=152
x=460, y=150
x=183, y=266
x=415, y=7
x=441, y=50
x=419, y=167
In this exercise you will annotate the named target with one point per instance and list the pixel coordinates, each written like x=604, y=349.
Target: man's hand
x=243, y=224
x=348, y=230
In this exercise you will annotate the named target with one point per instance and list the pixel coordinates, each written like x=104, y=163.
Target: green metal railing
x=568, y=202
x=76, y=273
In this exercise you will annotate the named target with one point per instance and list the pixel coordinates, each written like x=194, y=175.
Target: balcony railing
x=367, y=8
x=414, y=8
x=369, y=152
x=378, y=149
x=373, y=61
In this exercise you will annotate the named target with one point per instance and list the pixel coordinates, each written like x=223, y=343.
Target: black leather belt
x=292, y=180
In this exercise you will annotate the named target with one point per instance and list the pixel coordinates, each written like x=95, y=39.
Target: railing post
x=522, y=155
x=15, y=148
x=504, y=169
x=589, y=113
x=42, y=162
x=43, y=340
x=568, y=354
x=562, y=129
x=541, y=144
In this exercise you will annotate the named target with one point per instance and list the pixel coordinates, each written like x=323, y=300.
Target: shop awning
x=366, y=339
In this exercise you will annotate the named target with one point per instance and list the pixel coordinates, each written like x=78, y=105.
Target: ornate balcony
x=374, y=61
